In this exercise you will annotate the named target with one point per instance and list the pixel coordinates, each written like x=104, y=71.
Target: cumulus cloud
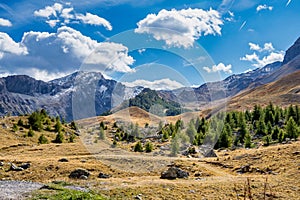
x=9, y=46
x=41, y=74
x=49, y=11
x=267, y=47
x=5, y=22
x=162, y=84
x=180, y=28
x=65, y=50
x=219, y=67
x=58, y=14
x=268, y=55
x=92, y=19
x=263, y=7
x=111, y=56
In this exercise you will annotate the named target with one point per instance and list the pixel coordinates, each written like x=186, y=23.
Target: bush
x=72, y=138
x=15, y=128
x=20, y=122
x=138, y=147
x=30, y=133
x=43, y=139
x=73, y=125
x=148, y=147
x=59, y=138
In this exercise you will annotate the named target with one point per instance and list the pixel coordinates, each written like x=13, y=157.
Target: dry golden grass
x=138, y=173
x=284, y=92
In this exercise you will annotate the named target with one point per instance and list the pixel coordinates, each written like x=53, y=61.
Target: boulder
x=170, y=173
x=173, y=173
x=63, y=160
x=79, y=174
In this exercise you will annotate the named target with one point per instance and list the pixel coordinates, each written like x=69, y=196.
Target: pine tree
x=261, y=127
x=248, y=140
x=101, y=134
x=148, y=147
x=269, y=128
x=257, y=113
x=292, y=131
x=175, y=146
x=58, y=126
x=138, y=147
x=191, y=132
x=275, y=134
x=59, y=138
x=225, y=139
x=43, y=140
x=35, y=121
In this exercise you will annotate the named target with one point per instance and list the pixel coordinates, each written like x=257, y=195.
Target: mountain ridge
x=90, y=94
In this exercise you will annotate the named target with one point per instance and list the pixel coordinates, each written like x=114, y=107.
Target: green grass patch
x=57, y=191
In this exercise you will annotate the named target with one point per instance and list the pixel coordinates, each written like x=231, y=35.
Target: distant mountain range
x=86, y=94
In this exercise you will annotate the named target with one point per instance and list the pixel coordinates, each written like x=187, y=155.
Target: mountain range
x=86, y=94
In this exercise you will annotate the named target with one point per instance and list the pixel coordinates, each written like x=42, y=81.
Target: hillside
x=282, y=92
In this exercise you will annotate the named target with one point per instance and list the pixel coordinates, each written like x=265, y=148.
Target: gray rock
x=63, y=160
x=102, y=175
x=79, y=173
x=173, y=173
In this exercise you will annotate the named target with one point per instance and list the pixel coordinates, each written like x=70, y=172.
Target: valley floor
x=273, y=171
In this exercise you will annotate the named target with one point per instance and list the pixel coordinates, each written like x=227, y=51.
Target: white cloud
x=162, y=84
x=268, y=55
x=111, y=56
x=5, y=22
x=267, y=47
x=49, y=11
x=58, y=14
x=263, y=7
x=44, y=75
x=66, y=14
x=9, y=46
x=219, y=67
x=65, y=50
x=180, y=28
x=141, y=51
x=92, y=19
x=52, y=22
x=288, y=2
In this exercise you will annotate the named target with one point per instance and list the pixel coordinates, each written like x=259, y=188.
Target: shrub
x=15, y=128
x=43, y=139
x=72, y=138
x=30, y=133
x=20, y=122
x=138, y=147
x=59, y=138
x=148, y=147
x=73, y=125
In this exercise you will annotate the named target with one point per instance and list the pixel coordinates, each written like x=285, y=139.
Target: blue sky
x=162, y=44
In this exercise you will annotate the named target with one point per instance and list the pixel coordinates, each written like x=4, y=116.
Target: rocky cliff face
x=292, y=52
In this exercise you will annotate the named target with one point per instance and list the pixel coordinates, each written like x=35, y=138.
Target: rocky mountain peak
x=292, y=52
